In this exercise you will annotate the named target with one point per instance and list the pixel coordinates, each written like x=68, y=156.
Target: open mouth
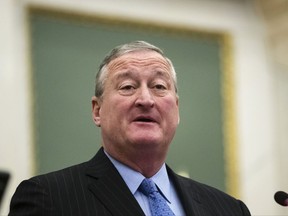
x=144, y=119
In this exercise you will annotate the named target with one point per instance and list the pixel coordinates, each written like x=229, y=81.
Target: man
x=136, y=107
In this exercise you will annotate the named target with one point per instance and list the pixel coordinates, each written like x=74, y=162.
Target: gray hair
x=120, y=51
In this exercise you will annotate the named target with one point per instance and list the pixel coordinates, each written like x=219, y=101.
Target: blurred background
x=232, y=62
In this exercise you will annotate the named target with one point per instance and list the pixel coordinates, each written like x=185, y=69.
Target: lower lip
x=144, y=123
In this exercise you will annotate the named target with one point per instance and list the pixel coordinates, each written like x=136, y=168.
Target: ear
x=96, y=110
x=177, y=103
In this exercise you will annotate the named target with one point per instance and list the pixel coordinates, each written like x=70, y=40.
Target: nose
x=145, y=98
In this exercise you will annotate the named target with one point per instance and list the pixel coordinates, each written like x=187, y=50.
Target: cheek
x=171, y=111
x=114, y=108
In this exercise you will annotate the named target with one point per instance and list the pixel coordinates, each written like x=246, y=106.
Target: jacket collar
x=109, y=187
x=189, y=195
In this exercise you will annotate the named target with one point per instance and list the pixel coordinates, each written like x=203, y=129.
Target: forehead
x=139, y=59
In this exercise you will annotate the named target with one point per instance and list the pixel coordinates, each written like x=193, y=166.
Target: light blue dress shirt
x=133, y=180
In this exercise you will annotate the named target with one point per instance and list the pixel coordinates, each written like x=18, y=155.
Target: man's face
x=139, y=107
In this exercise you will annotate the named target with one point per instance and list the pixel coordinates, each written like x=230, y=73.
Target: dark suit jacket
x=96, y=188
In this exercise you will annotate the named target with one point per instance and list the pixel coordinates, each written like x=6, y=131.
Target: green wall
x=66, y=54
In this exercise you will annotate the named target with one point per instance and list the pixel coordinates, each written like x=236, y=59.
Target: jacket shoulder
x=207, y=198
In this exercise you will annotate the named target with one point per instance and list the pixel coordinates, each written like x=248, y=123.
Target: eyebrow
x=128, y=74
x=163, y=74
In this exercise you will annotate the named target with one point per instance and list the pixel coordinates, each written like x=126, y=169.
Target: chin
x=146, y=140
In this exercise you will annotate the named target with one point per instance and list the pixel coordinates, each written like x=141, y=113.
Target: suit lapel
x=109, y=187
x=189, y=195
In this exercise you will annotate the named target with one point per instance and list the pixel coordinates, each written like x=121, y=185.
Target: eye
x=160, y=87
x=127, y=89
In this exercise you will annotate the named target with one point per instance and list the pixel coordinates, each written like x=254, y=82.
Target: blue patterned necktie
x=157, y=202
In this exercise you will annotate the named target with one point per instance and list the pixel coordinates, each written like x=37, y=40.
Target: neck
x=148, y=163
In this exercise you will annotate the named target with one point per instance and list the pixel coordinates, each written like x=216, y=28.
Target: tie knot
x=157, y=203
x=147, y=187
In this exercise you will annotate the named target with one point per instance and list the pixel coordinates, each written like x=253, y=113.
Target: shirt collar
x=162, y=181
x=133, y=178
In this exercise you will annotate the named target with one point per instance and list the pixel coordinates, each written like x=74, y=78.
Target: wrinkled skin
x=138, y=112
